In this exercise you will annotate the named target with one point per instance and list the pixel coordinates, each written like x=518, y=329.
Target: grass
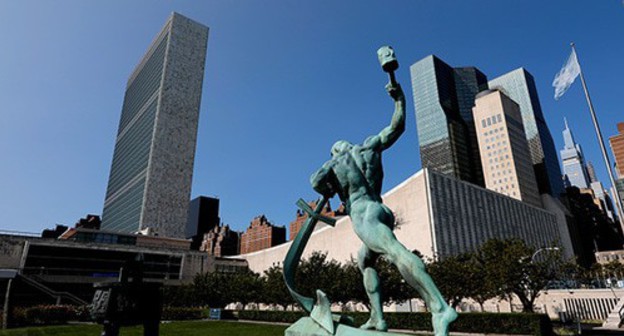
x=195, y=328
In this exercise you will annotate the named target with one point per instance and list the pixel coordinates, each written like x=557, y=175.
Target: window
x=483, y=123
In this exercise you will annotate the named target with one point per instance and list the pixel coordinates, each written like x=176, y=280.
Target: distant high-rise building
x=619, y=188
x=519, y=85
x=617, y=146
x=504, y=149
x=260, y=235
x=591, y=172
x=203, y=217
x=602, y=199
x=150, y=178
x=573, y=161
x=443, y=99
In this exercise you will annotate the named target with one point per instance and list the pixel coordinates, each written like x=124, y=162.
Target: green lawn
x=203, y=328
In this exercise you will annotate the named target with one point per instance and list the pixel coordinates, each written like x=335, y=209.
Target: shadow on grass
x=195, y=328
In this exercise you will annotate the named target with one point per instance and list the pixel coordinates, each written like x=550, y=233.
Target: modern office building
x=591, y=172
x=519, y=85
x=150, y=178
x=443, y=99
x=440, y=216
x=203, y=217
x=619, y=188
x=603, y=199
x=574, y=167
x=68, y=267
x=504, y=149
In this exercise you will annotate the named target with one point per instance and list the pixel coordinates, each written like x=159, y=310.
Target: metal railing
x=32, y=281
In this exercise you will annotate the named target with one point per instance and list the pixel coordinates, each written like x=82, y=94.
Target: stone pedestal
x=306, y=326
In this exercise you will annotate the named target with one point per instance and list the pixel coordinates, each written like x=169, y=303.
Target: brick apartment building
x=221, y=241
x=296, y=225
x=261, y=234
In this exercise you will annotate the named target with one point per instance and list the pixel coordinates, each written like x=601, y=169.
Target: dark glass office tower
x=443, y=99
x=519, y=85
x=150, y=179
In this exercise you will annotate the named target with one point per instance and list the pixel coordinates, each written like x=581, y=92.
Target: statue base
x=306, y=326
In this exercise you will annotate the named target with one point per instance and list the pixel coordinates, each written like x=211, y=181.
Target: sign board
x=215, y=313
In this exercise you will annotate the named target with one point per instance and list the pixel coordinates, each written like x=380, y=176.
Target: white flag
x=566, y=75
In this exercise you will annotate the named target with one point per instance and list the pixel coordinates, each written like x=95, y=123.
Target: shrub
x=182, y=313
x=48, y=314
x=193, y=313
x=271, y=315
x=485, y=323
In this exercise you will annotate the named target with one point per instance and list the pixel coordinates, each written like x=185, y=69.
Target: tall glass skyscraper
x=573, y=161
x=519, y=85
x=443, y=99
x=150, y=179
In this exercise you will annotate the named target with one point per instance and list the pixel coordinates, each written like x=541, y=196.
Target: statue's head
x=341, y=146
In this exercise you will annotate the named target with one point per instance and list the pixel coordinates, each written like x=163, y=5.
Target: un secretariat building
x=150, y=178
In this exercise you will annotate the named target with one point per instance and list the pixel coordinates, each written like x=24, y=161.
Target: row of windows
x=489, y=121
x=143, y=86
x=493, y=132
x=466, y=216
x=123, y=214
x=132, y=151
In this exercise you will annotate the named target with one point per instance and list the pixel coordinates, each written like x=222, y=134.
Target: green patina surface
x=355, y=174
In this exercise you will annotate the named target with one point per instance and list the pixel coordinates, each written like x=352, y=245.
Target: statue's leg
x=381, y=239
x=366, y=263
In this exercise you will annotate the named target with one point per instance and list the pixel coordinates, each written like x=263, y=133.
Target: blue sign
x=215, y=313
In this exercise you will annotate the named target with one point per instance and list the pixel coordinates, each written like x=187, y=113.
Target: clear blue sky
x=283, y=81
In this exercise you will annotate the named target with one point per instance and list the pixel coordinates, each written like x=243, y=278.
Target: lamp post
x=541, y=250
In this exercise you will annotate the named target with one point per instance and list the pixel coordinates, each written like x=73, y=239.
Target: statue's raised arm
x=390, y=134
x=389, y=64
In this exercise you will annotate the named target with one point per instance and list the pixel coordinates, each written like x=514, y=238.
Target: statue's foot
x=375, y=324
x=442, y=320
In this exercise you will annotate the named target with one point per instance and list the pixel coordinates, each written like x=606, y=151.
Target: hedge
x=183, y=313
x=54, y=315
x=486, y=323
x=48, y=315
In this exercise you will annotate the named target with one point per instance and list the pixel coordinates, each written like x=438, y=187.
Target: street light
x=537, y=252
x=543, y=249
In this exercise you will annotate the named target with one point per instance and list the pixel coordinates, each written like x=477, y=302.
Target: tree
x=179, y=296
x=509, y=266
x=316, y=272
x=245, y=287
x=351, y=285
x=613, y=269
x=210, y=289
x=394, y=289
x=457, y=278
x=274, y=288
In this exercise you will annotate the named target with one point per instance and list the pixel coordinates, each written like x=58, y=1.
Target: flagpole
x=600, y=140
